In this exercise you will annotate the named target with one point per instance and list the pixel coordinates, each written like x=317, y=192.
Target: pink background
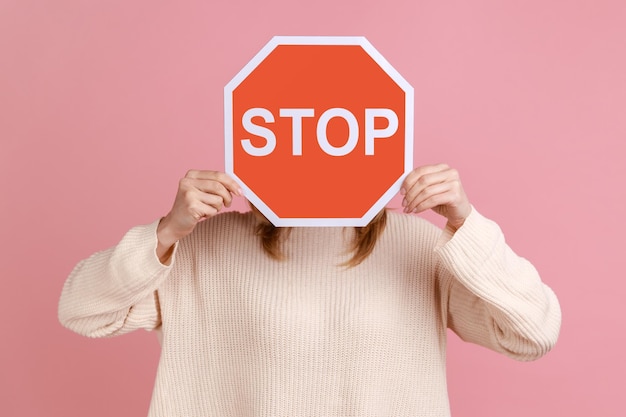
x=105, y=104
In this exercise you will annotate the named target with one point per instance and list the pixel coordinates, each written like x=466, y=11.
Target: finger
x=213, y=200
x=190, y=188
x=212, y=187
x=434, y=201
x=428, y=180
x=200, y=211
x=199, y=174
x=230, y=184
x=218, y=176
x=410, y=203
x=414, y=175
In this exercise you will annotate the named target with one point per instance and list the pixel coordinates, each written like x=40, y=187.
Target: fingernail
x=404, y=202
x=402, y=191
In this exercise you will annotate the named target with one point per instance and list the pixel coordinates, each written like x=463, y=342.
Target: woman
x=260, y=321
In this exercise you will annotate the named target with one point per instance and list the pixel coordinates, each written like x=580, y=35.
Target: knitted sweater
x=248, y=336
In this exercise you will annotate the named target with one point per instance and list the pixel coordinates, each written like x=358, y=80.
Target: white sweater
x=248, y=336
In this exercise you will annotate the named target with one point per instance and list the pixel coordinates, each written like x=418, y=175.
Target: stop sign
x=319, y=131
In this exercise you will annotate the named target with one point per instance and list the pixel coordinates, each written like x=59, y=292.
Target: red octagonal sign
x=319, y=131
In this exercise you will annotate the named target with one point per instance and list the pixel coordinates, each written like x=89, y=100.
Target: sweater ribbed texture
x=248, y=336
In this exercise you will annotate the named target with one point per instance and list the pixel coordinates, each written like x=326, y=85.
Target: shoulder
x=409, y=226
x=230, y=219
x=225, y=226
x=409, y=234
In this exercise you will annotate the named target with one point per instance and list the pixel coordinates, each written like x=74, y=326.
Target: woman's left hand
x=436, y=187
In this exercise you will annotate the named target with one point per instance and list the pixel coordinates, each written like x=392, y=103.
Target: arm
x=115, y=291
x=493, y=297
x=490, y=295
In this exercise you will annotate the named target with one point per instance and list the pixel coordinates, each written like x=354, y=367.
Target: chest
x=310, y=299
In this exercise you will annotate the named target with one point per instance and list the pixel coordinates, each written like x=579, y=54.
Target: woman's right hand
x=201, y=195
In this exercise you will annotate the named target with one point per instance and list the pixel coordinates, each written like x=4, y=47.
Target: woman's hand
x=436, y=187
x=201, y=195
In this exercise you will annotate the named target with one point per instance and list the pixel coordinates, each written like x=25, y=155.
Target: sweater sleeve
x=494, y=297
x=114, y=291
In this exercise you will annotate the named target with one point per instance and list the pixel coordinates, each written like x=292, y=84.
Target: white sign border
x=408, y=129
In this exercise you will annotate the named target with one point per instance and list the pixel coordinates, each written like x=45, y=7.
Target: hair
x=363, y=243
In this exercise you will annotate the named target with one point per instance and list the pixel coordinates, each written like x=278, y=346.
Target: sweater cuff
x=475, y=239
x=136, y=256
x=477, y=255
